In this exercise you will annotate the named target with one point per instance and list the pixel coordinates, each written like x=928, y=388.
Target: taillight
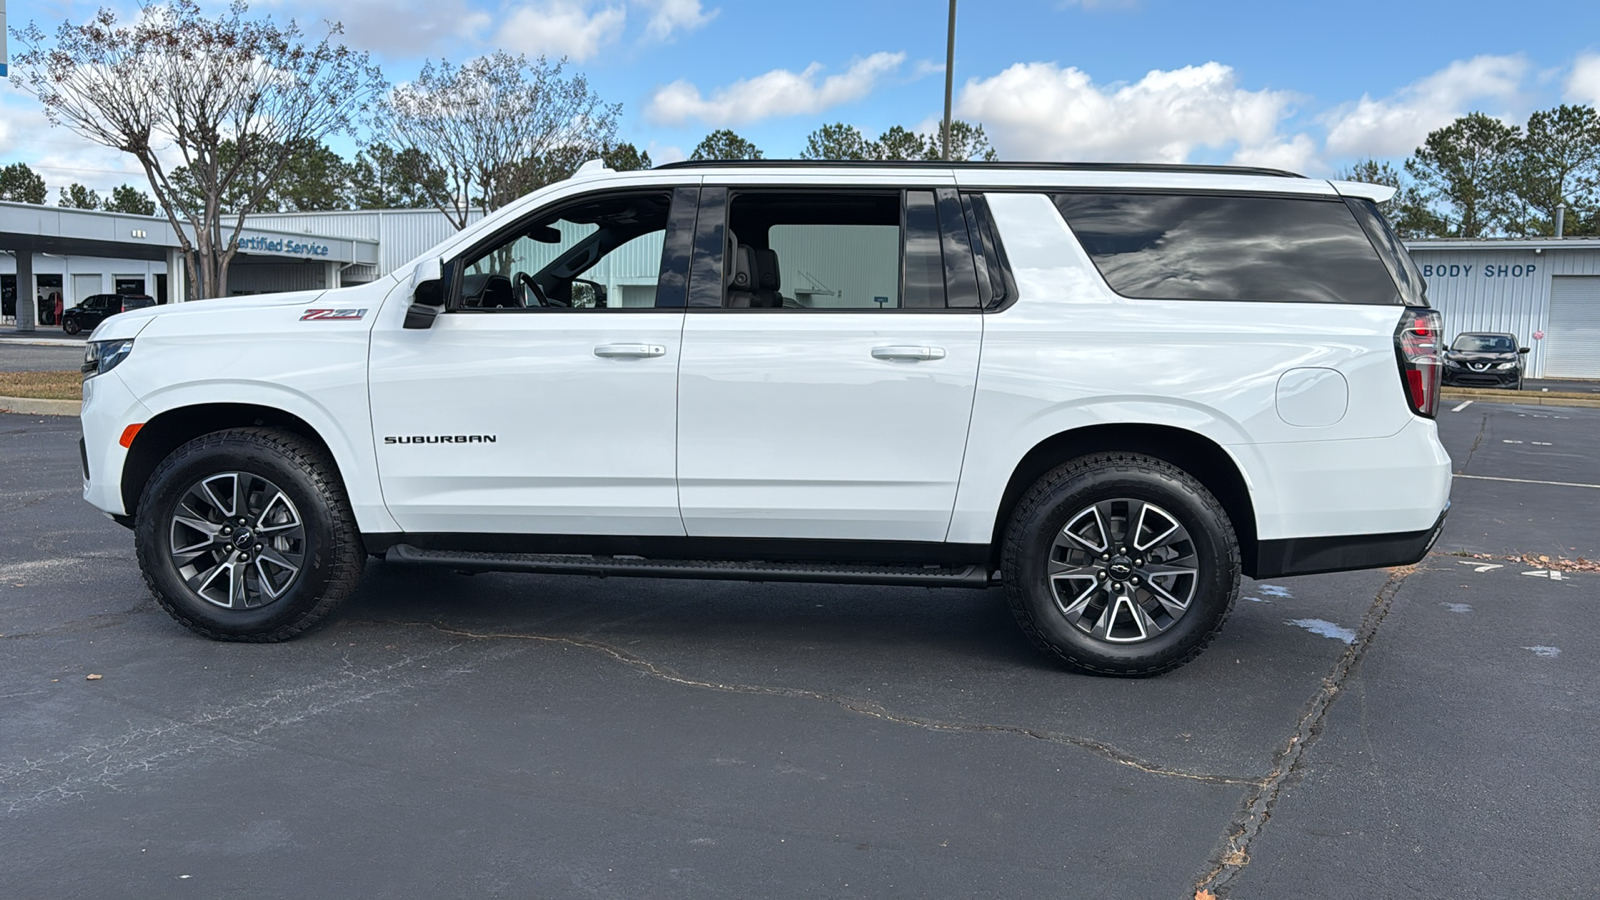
x=1417, y=347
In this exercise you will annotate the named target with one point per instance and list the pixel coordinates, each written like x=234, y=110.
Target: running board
x=639, y=567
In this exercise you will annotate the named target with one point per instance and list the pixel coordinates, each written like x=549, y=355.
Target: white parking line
x=1462, y=406
x=1529, y=481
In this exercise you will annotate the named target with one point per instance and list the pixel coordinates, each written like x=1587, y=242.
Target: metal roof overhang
x=26, y=227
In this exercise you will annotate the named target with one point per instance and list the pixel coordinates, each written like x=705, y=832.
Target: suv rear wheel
x=246, y=535
x=1120, y=564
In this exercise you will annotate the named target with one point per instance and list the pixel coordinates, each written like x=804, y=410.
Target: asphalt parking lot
x=1425, y=732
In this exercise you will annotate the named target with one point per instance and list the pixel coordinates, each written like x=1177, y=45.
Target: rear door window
x=1160, y=246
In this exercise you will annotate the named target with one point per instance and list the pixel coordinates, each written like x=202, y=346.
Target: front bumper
x=1489, y=378
x=108, y=408
x=1312, y=556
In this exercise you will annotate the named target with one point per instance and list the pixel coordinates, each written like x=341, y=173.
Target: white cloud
x=1583, y=84
x=405, y=27
x=1042, y=111
x=675, y=15
x=665, y=153
x=1293, y=154
x=1397, y=125
x=779, y=92
x=560, y=28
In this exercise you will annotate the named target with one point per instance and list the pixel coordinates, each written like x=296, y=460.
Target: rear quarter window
x=1225, y=247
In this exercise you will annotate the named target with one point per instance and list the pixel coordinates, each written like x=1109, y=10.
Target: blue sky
x=1307, y=87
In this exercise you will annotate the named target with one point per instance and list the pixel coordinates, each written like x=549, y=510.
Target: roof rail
x=941, y=164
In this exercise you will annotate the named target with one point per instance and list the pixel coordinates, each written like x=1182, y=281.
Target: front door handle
x=912, y=353
x=629, y=351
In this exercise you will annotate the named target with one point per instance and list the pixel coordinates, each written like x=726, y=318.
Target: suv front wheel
x=246, y=535
x=1120, y=564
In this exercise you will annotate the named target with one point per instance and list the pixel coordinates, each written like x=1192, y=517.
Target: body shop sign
x=1465, y=270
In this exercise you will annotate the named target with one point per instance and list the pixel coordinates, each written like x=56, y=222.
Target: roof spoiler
x=1377, y=193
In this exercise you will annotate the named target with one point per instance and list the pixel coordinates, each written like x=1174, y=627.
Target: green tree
x=131, y=200
x=1464, y=168
x=1558, y=163
x=902, y=143
x=838, y=142
x=625, y=158
x=20, y=184
x=967, y=143
x=1407, y=210
x=76, y=196
x=314, y=178
x=724, y=144
x=382, y=177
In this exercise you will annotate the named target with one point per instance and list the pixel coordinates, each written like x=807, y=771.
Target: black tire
x=71, y=326
x=1037, y=534
x=330, y=548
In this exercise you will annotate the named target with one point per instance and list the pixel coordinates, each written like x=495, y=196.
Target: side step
x=639, y=567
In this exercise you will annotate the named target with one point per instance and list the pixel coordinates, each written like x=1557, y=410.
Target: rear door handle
x=906, y=352
x=627, y=351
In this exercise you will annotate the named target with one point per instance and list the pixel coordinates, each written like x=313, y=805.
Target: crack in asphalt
x=1483, y=428
x=854, y=705
x=1289, y=762
x=109, y=763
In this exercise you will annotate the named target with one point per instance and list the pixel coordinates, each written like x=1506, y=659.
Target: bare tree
x=494, y=124
x=173, y=86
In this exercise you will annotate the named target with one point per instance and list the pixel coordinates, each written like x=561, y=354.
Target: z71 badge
x=328, y=315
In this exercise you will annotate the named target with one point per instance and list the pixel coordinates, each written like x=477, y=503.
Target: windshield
x=1484, y=343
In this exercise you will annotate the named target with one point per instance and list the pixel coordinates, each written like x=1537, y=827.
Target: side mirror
x=588, y=294
x=427, y=294
x=1522, y=349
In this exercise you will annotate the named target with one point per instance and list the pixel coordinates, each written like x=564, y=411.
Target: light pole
x=949, y=76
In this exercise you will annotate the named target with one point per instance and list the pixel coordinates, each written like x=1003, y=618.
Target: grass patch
x=42, y=385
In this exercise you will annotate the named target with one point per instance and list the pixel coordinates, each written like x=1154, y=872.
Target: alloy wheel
x=237, y=540
x=1123, y=570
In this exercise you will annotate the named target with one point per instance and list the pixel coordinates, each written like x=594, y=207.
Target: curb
x=40, y=341
x=1523, y=398
x=30, y=407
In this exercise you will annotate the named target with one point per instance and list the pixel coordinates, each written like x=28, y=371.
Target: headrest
x=744, y=266
x=767, y=277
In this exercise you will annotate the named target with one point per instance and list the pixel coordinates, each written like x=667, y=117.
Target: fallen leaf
x=1204, y=895
x=94, y=677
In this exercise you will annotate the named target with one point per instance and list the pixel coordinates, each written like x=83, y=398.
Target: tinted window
x=1412, y=285
x=1202, y=247
x=1484, y=343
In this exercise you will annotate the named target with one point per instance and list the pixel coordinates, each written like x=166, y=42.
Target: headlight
x=101, y=357
x=1509, y=365
x=1450, y=362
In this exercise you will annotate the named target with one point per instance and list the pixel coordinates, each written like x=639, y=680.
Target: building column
x=27, y=293
x=177, y=277
x=331, y=280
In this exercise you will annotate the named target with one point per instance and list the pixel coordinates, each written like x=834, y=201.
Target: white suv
x=1108, y=389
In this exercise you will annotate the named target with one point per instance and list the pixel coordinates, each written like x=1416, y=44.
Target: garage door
x=1572, y=342
x=82, y=287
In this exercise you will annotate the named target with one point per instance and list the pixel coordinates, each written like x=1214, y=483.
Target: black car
x=1484, y=359
x=96, y=308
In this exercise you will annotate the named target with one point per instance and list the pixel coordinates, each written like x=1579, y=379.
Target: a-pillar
x=27, y=293
x=177, y=277
x=331, y=278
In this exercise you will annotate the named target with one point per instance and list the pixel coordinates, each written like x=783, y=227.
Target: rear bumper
x=1311, y=556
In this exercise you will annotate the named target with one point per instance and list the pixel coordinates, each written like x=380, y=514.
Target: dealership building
x=1545, y=291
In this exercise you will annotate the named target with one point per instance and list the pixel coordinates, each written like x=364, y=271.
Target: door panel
x=794, y=425
x=569, y=441
x=541, y=403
